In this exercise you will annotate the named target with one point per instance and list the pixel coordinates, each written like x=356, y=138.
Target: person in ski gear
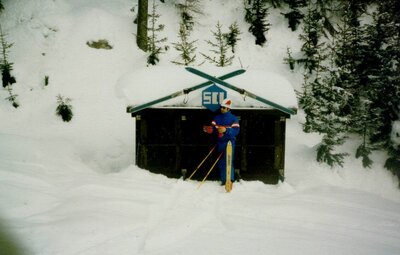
x=226, y=126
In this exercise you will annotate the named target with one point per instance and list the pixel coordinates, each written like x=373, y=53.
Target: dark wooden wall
x=169, y=140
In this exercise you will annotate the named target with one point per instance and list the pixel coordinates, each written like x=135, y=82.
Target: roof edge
x=132, y=109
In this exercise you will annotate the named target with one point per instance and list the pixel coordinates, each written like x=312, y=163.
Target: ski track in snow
x=151, y=214
x=52, y=199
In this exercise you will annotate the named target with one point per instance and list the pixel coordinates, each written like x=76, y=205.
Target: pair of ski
x=228, y=155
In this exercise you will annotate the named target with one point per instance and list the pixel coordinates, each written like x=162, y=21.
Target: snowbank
x=71, y=188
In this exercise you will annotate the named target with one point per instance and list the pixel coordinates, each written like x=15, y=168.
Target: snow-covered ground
x=72, y=188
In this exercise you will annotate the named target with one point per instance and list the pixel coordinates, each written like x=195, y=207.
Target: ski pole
x=209, y=171
x=201, y=163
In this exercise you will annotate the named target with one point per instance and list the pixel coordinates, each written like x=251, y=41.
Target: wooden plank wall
x=169, y=140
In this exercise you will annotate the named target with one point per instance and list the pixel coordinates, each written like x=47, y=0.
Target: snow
x=395, y=136
x=72, y=188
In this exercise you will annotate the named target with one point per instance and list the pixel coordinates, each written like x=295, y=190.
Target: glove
x=221, y=131
x=208, y=129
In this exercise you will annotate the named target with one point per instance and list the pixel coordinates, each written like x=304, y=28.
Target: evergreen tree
x=256, y=16
x=189, y=8
x=358, y=63
x=322, y=97
x=294, y=16
x=12, y=98
x=322, y=101
x=6, y=67
x=154, y=47
x=330, y=10
x=393, y=162
x=347, y=52
x=323, y=105
x=289, y=59
x=46, y=80
x=369, y=119
x=311, y=38
x=232, y=37
x=390, y=25
x=220, y=48
x=367, y=115
x=64, y=108
x=387, y=26
x=185, y=47
x=275, y=3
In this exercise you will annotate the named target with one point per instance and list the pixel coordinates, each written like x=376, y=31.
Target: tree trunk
x=141, y=38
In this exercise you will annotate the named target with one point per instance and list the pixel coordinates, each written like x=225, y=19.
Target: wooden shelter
x=169, y=137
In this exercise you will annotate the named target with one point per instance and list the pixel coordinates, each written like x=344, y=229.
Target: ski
x=241, y=91
x=228, y=154
x=133, y=109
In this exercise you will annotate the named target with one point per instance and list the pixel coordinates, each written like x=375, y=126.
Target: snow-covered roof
x=145, y=86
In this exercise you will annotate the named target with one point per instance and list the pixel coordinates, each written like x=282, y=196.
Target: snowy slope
x=71, y=188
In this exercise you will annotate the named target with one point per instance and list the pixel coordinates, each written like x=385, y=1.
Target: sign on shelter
x=212, y=97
